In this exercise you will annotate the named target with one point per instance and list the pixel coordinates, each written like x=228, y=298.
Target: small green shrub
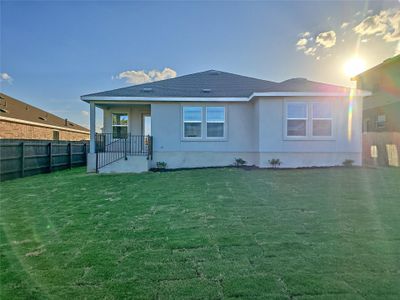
x=239, y=162
x=348, y=163
x=162, y=165
x=275, y=162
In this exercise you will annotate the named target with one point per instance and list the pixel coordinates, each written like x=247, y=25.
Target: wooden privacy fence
x=381, y=149
x=20, y=158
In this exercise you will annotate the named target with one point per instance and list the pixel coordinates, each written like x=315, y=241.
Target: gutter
x=357, y=93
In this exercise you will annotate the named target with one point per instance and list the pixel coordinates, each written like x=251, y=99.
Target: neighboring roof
x=214, y=84
x=387, y=62
x=16, y=109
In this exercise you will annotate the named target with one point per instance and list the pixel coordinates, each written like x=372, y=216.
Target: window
x=380, y=121
x=215, y=122
x=56, y=135
x=192, y=122
x=120, y=126
x=296, y=118
x=321, y=119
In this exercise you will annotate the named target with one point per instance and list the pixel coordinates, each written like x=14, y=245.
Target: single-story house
x=210, y=118
x=20, y=120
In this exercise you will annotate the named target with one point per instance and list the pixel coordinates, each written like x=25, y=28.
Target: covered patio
x=126, y=135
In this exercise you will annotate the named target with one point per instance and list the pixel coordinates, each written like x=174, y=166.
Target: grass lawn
x=211, y=233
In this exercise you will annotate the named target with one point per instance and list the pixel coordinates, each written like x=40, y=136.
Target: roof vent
x=3, y=110
x=214, y=72
x=206, y=90
x=66, y=122
x=42, y=118
x=147, y=89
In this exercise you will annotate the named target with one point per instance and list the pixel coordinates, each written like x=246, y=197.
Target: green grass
x=211, y=233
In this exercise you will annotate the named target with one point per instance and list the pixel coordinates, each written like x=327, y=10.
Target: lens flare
x=350, y=114
x=354, y=66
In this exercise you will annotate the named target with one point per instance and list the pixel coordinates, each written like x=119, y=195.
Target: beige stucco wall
x=254, y=132
x=12, y=130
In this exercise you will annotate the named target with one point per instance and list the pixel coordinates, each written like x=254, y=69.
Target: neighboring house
x=381, y=115
x=382, y=108
x=19, y=120
x=212, y=117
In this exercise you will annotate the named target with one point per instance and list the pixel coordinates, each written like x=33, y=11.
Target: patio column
x=92, y=127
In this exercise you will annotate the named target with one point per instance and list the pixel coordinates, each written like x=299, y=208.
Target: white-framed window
x=321, y=119
x=215, y=118
x=120, y=125
x=381, y=121
x=192, y=122
x=296, y=119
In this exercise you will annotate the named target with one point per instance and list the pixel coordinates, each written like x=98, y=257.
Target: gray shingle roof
x=214, y=83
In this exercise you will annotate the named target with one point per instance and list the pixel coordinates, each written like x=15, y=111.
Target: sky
x=51, y=53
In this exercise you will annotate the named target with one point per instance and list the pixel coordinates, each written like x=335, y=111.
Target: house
x=19, y=120
x=381, y=109
x=212, y=117
x=381, y=115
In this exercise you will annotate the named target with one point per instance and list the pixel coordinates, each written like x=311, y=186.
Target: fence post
x=84, y=153
x=22, y=159
x=50, y=157
x=126, y=157
x=70, y=154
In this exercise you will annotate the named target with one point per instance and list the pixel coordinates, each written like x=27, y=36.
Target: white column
x=92, y=127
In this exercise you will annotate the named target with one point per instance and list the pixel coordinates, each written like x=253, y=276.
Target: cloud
x=6, y=77
x=141, y=76
x=386, y=24
x=304, y=34
x=344, y=25
x=326, y=39
x=310, y=51
x=301, y=43
x=84, y=113
x=311, y=47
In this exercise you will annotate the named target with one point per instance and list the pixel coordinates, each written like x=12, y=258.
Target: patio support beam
x=92, y=127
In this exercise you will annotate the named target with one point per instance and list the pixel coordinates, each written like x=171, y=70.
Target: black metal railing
x=110, y=149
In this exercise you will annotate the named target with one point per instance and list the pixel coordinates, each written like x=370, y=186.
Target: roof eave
x=354, y=93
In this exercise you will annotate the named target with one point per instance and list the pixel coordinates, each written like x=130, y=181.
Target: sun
x=354, y=66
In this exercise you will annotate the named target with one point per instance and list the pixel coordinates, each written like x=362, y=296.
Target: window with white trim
x=120, y=126
x=192, y=121
x=296, y=119
x=321, y=119
x=381, y=121
x=215, y=118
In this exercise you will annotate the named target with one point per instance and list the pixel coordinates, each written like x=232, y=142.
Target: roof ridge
x=155, y=83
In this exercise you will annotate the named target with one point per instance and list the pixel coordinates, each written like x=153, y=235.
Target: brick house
x=19, y=120
x=381, y=113
x=381, y=109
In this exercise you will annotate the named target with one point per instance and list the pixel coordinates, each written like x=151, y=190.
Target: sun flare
x=354, y=66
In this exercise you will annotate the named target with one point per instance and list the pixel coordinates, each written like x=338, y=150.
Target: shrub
x=161, y=165
x=348, y=163
x=239, y=162
x=275, y=162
